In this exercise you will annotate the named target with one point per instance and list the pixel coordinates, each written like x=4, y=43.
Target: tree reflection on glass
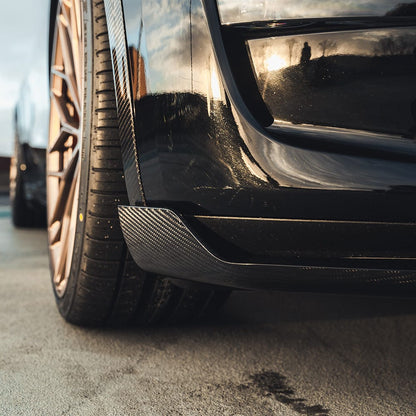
x=364, y=80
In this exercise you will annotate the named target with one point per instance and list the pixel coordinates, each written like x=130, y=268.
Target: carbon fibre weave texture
x=125, y=109
x=160, y=242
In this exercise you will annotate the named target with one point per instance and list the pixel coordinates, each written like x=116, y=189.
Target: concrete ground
x=264, y=354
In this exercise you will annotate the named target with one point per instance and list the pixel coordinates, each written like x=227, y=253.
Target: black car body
x=309, y=190
x=263, y=144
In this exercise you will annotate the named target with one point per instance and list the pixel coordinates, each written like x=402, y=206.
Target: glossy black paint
x=341, y=243
x=204, y=152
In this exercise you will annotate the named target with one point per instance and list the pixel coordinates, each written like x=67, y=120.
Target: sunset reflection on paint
x=274, y=63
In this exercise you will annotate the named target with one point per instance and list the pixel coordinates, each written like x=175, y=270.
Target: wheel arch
x=124, y=101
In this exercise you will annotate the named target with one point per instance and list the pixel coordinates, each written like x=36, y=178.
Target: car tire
x=98, y=282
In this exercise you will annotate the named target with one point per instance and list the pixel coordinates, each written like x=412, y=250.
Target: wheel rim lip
x=65, y=140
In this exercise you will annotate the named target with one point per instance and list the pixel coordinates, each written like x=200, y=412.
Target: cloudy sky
x=23, y=31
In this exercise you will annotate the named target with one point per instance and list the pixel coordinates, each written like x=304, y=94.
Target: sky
x=23, y=38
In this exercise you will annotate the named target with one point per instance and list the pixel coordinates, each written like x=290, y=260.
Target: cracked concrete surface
x=264, y=354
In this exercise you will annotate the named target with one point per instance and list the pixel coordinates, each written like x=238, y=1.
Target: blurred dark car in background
x=4, y=174
x=28, y=162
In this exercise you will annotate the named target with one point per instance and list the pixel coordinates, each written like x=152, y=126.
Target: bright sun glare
x=274, y=63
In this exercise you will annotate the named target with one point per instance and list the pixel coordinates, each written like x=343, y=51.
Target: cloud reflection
x=181, y=44
x=233, y=11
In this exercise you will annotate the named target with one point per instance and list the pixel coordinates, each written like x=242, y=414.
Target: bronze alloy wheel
x=65, y=136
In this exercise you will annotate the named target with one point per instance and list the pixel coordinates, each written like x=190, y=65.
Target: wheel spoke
x=58, y=70
x=70, y=81
x=61, y=104
x=55, y=251
x=57, y=143
x=69, y=60
x=65, y=139
x=76, y=41
x=65, y=186
x=60, y=273
x=66, y=175
x=66, y=45
x=54, y=232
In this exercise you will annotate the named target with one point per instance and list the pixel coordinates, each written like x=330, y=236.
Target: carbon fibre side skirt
x=160, y=242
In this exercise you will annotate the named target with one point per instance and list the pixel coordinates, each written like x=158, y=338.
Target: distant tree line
x=395, y=45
